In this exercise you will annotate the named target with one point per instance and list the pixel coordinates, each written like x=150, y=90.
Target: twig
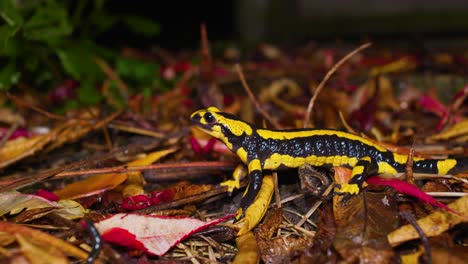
x=22, y=102
x=409, y=175
x=8, y=134
x=123, y=88
x=277, y=193
x=136, y=130
x=327, y=77
x=427, y=249
x=166, y=166
x=252, y=98
x=315, y=206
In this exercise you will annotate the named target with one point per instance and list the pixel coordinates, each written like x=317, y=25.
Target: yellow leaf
x=247, y=249
x=41, y=238
x=70, y=209
x=459, y=129
x=43, y=254
x=92, y=185
x=433, y=224
x=257, y=210
x=103, y=182
x=151, y=158
x=134, y=184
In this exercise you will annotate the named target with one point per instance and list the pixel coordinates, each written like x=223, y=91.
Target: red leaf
x=162, y=197
x=152, y=234
x=410, y=190
x=124, y=238
x=136, y=202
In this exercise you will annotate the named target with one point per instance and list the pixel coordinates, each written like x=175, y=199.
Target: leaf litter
x=149, y=183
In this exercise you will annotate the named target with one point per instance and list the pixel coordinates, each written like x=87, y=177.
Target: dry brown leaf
x=362, y=225
x=433, y=224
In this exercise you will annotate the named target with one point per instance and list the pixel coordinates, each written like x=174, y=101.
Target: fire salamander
x=264, y=149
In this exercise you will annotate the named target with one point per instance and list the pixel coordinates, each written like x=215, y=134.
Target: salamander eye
x=209, y=118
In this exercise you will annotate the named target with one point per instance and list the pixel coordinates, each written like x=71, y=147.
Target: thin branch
x=166, y=166
x=253, y=99
x=315, y=206
x=24, y=103
x=123, y=88
x=427, y=249
x=8, y=134
x=327, y=77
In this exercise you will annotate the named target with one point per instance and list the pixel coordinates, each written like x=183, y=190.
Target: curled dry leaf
x=433, y=224
x=15, y=202
x=149, y=233
x=280, y=249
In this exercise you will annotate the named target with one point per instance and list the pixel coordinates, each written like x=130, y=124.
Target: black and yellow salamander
x=264, y=149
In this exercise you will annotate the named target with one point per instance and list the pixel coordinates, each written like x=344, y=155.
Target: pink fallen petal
x=433, y=105
x=410, y=190
x=151, y=234
x=47, y=195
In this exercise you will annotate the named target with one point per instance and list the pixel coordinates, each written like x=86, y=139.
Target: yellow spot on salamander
x=254, y=165
x=444, y=166
x=348, y=188
x=384, y=167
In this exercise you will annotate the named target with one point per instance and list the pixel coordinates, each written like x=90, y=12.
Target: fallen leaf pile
x=136, y=183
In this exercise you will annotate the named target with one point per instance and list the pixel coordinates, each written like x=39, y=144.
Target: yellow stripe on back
x=276, y=160
x=286, y=135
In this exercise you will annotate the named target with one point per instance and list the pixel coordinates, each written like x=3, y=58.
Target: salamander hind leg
x=358, y=176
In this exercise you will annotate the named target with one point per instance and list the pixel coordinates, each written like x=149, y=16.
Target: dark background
x=292, y=22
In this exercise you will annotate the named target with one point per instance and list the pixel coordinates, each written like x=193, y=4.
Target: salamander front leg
x=239, y=173
x=255, y=183
x=358, y=176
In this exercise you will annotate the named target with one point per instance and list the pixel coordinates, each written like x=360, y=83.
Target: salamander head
x=219, y=124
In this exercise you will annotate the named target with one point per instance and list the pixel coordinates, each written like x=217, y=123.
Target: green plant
x=43, y=42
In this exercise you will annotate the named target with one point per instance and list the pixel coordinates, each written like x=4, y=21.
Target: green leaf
x=6, y=33
x=88, y=93
x=141, y=25
x=137, y=70
x=79, y=62
x=10, y=13
x=8, y=76
x=48, y=21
